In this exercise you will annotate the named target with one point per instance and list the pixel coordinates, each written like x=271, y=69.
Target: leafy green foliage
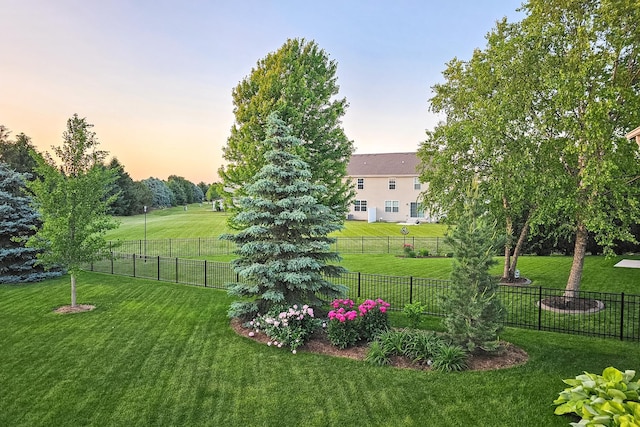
x=414, y=313
x=450, y=358
x=424, y=347
x=299, y=83
x=283, y=246
x=17, y=154
x=72, y=202
x=473, y=312
x=290, y=327
x=610, y=399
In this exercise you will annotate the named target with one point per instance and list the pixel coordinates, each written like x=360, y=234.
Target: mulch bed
x=78, y=308
x=510, y=356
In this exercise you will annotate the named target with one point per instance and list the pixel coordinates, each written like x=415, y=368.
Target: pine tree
x=18, y=221
x=473, y=312
x=283, y=246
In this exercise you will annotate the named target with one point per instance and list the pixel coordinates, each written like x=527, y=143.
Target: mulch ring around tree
x=561, y=304
x=78, y=308
x=510, y=356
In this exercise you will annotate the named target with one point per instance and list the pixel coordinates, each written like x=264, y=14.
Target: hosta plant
x=610, y=399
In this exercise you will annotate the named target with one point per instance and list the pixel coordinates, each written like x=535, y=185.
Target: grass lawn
x=161, y=354
x=201, y=221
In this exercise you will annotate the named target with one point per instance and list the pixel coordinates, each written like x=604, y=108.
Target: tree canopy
x=71, y=198
x=538, y=118
x=299, y=82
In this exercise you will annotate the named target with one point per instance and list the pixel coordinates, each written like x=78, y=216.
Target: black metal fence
x=618, y=315
x=212, y=246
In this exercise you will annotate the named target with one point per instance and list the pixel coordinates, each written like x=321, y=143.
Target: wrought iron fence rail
x=618, y=315
x=212, y=246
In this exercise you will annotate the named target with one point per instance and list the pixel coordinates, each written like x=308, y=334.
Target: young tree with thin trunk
x=71, y=198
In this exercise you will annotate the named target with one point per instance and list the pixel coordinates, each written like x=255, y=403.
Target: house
x=634, y=134
x=387, y=188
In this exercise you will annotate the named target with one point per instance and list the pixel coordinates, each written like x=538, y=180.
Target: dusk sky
x=155, y=77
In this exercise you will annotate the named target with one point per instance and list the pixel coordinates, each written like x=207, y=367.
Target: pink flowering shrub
x=347, y=326
x=290, y=327
x=342, y=328
x=373, y=318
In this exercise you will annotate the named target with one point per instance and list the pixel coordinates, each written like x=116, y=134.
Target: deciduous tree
x=299, y=82
x=71, y=198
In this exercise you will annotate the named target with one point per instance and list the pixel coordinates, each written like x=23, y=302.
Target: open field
x=163, y=354
x=201, y=221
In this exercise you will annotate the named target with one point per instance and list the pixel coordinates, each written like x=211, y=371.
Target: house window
x=392, y=183
x=360, y=205
x=391, y=206
x=416, y=183
x=360, y=183
x=415, y=213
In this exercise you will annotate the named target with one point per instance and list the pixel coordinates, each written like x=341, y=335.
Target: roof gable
x=386, y=164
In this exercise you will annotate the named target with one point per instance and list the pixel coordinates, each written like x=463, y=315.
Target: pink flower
x=383, y=309
x=251, y=334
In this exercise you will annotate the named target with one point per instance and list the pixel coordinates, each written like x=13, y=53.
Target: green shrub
x=450, y=358
x=377, y=355
x=422, y=346
x=290, y=327
x=424, y=252
x=610, y=399
x=414, y=313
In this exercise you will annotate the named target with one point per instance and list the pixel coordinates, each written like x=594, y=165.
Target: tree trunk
x=507, y=244
x=73, y=290
x=519, y=244
x=580, y=248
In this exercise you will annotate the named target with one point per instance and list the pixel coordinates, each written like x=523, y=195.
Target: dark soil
x=577, y=304
x=319, y=344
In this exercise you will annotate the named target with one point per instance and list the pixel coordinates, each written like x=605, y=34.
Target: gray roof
x=385, y=164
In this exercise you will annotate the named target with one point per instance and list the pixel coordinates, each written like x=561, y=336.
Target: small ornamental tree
x=72, y=201
x=18, y=221
x=473, y=312
x=283, y=246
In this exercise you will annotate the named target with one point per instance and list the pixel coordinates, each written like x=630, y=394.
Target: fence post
x=140, y=246
x=169, y=248
x=176, y=269
x=437, y=248
x=388, y=244
x=134, y=265
x=359, y=275
x=411, y=289
x=539, y=307
x=622, y=316
x=199, y=246
x=158, y=268
x=111, y=262
x=205, y=273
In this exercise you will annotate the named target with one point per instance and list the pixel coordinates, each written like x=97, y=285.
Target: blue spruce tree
x=18, y=221
x=284, y=252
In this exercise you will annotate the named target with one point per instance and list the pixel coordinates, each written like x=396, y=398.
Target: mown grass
x=201, y=221
x=163, y=354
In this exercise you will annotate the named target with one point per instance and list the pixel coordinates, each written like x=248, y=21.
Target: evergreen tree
x=162, y=195
x=283, y=243
x=473, y=312
x=18, y=221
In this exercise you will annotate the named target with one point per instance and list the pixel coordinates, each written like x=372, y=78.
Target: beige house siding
x=376, y=200
x=634, y=134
